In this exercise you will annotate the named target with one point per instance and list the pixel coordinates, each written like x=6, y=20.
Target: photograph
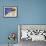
x=10, y=11
x=32, y=32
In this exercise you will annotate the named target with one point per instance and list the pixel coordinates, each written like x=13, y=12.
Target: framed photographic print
x=32, y=32
x=10, y=11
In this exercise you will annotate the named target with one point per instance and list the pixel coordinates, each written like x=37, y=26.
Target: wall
x=29, y=12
